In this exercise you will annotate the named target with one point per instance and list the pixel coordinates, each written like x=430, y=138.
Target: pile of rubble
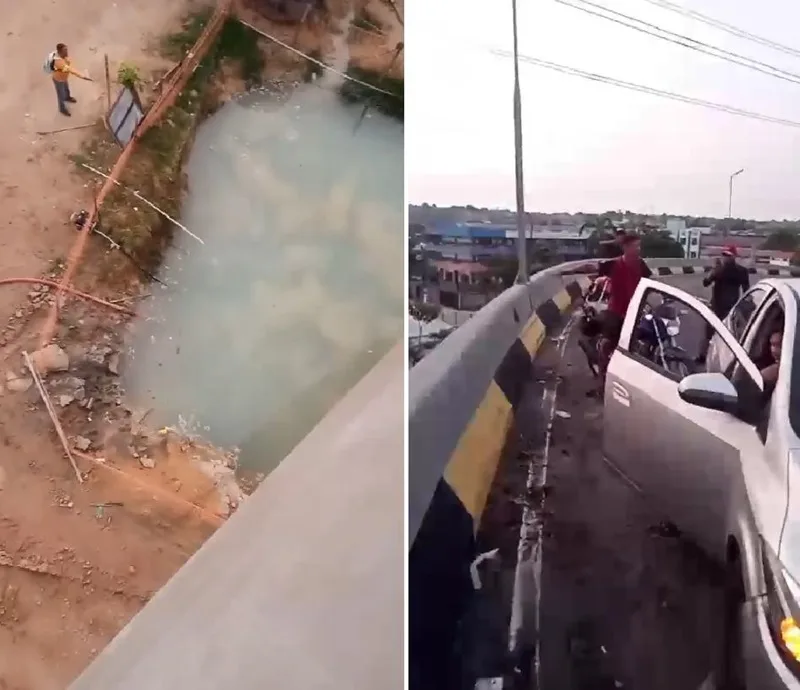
x=83, y=385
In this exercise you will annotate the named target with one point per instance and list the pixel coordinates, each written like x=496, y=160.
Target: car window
x=670, y=335
x=743, y=311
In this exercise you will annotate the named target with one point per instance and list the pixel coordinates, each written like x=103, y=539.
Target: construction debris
x=49, y=406
x=49, y=359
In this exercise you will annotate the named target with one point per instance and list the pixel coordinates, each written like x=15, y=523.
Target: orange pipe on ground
x=70, y=290
x=171, y=89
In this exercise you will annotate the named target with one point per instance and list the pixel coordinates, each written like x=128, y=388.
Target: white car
x=718, y=452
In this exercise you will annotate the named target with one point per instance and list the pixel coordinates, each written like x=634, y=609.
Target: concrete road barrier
x=462, y=400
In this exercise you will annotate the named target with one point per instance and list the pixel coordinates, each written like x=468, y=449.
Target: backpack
x=49, y=65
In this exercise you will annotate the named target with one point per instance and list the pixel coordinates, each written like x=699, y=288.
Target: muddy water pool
x=297, y=290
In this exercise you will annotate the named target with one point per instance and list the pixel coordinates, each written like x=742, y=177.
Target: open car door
x=680, y=454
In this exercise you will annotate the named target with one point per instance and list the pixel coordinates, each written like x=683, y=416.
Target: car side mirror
x=712, y=391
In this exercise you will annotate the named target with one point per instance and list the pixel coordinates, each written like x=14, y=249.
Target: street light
x=522, y=257
x=730, y=191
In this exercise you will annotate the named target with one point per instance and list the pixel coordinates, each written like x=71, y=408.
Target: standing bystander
x=729, y=280
x=59, y=66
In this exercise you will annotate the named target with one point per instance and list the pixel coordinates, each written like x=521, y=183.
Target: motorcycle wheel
x=678, y=367
x=589, y=348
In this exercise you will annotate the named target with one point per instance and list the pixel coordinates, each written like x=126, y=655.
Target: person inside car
x=769, y=363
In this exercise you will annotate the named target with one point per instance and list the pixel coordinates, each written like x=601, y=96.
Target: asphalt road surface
x=611, y=596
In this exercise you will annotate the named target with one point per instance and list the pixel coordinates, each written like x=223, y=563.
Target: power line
x=721, y=107
x=724, y=26
x=317, y=62
x=684, y=41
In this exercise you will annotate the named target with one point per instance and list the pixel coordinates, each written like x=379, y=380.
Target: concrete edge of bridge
x=303, y=586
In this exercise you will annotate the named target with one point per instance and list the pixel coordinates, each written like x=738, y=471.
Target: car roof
x=792, y=283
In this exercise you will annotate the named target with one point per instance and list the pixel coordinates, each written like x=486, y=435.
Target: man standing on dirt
x=61, y=68
x=729, y=280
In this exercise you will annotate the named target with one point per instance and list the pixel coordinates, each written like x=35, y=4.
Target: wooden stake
x=108, y=84
x=302, y=22
x=51, y=411
x=65, y=129
x=144, y=201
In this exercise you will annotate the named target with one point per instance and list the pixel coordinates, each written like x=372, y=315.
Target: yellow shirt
x=62, y=68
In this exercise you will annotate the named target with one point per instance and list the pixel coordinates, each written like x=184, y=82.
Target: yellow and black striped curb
x=444, y=547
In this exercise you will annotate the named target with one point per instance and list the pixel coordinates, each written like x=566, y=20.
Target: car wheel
x=731, y=671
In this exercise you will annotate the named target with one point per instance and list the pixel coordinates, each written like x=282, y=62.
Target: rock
x=64, y=400
x=18, y=313
x=2, y=478
x=67, y=386
x=82, y=443
x=97, y=354
x=17, y=385
x=146, y=462
x=113, y=364
x=49, y=359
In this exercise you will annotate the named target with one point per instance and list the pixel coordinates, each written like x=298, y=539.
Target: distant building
x=479, y=242
x=465, y=255
x=688, y=238
x=748, y=246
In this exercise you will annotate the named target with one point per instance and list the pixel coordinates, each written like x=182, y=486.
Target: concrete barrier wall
x=303, y=586
x=462, y=399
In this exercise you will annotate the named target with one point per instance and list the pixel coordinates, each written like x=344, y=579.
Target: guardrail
x=303, y=586
x=462, y=399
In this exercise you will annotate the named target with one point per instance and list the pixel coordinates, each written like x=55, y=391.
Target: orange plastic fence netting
x=170, y=90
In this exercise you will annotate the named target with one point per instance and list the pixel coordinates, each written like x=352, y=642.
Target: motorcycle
x=656, y=339
x=595, y=302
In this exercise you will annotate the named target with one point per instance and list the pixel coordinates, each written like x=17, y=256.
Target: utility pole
x=522, y=255
x=730, y=192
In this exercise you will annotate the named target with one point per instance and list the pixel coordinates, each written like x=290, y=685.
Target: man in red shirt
x=624, y=275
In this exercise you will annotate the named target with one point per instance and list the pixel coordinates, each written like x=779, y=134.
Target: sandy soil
x=78, y=560
x=72, y=571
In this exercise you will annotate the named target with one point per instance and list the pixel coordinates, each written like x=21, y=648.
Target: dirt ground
x=77, y=561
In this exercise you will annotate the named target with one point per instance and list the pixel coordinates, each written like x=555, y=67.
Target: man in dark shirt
x=610, y=250
x=624, y=275
x=729, y=281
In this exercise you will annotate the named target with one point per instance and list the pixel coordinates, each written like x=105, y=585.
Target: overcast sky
x=594, y=147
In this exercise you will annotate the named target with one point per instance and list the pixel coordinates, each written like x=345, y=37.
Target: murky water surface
x=298, y=289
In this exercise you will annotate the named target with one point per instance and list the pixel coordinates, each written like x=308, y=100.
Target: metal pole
x=730, y=195
x=730, y=192
x=108, y=85
x=522, y=257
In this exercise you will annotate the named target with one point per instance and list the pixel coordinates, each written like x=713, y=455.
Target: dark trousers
x=62, y=94
x=720, y=313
